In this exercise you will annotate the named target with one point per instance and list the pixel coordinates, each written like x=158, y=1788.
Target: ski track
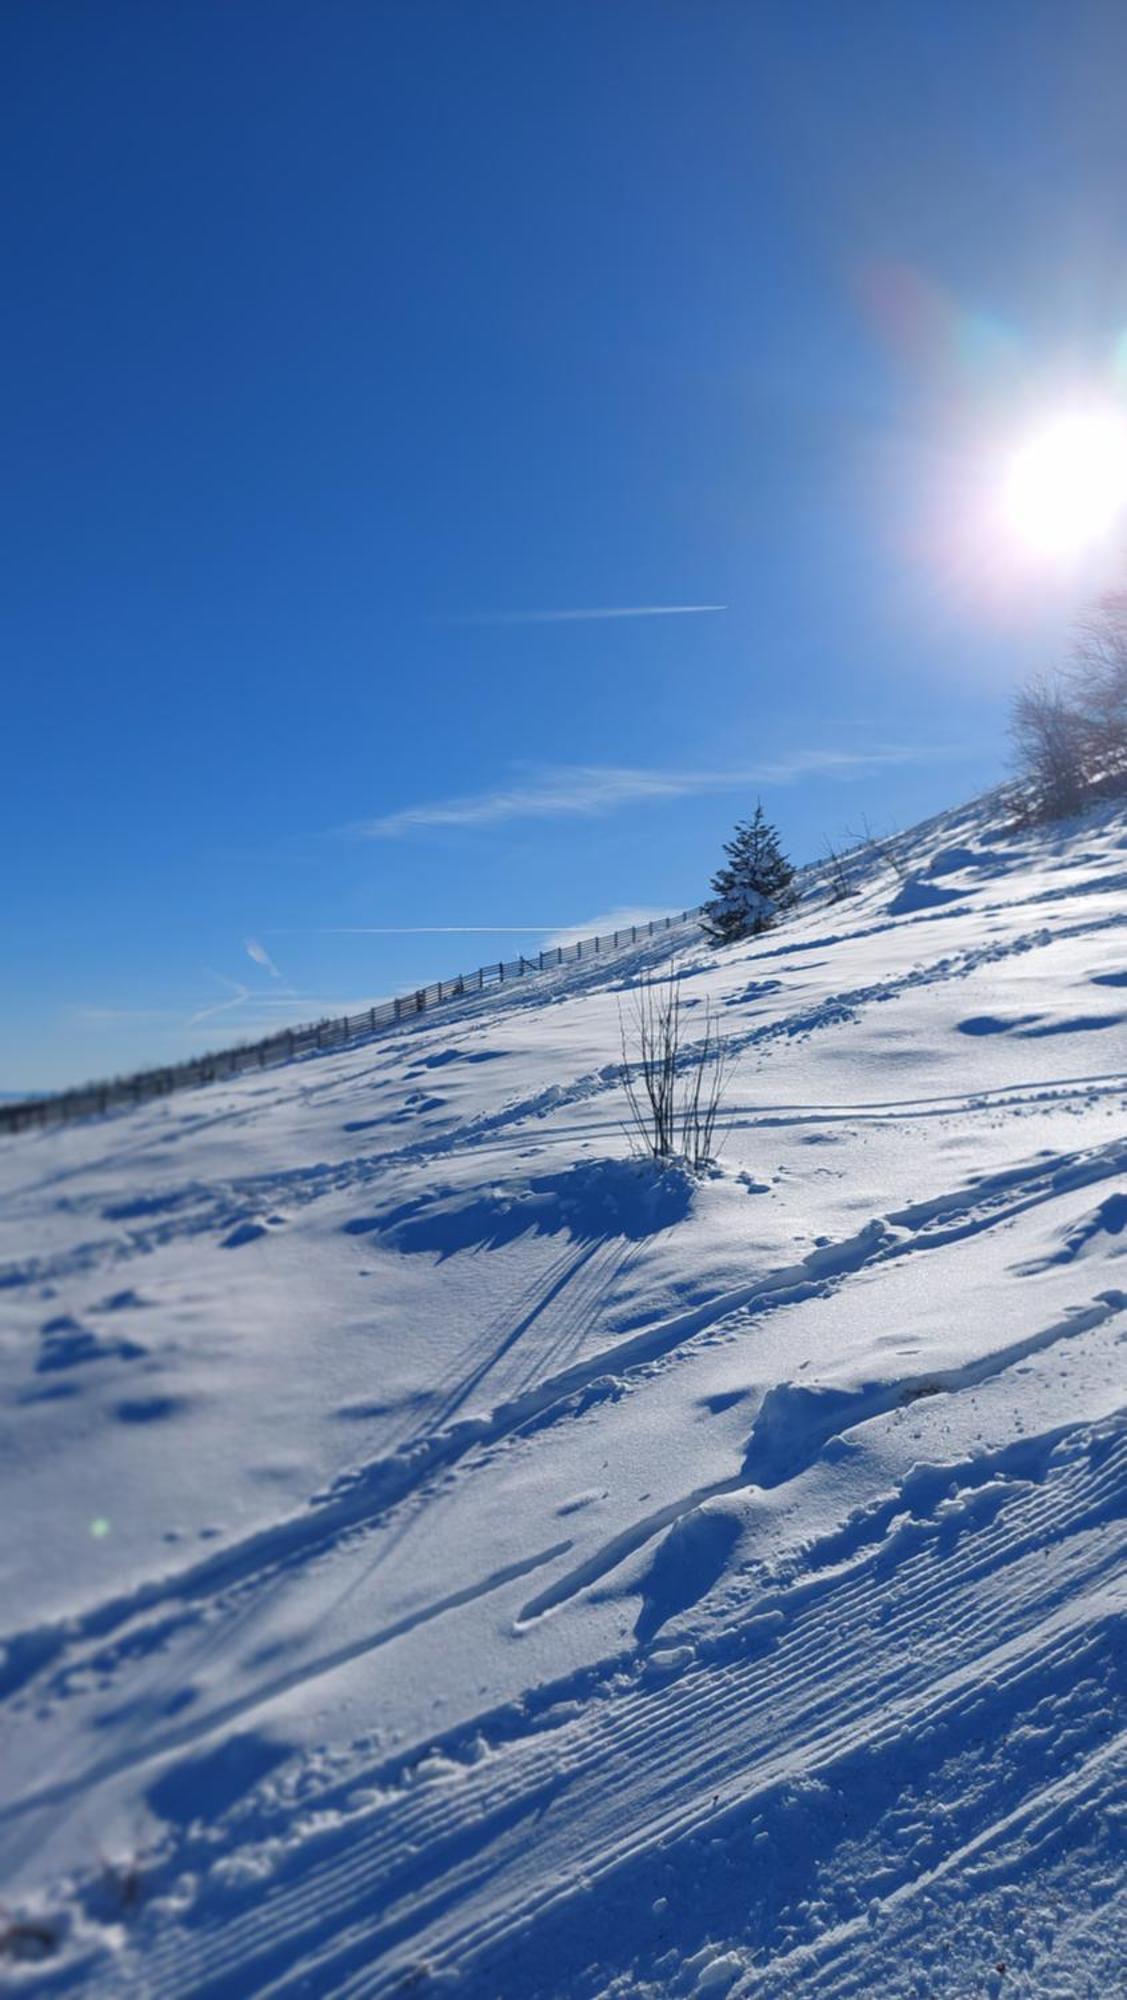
x=626, y=1794
x=362, y=1498
x=190, y=1210
x=916, y=1713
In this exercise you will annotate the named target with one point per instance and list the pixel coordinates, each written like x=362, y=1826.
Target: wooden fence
x=93, y=1099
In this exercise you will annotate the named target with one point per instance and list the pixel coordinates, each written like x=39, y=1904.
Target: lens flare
x=1065, y=488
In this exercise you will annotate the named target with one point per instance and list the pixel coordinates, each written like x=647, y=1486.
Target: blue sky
x=346, y=344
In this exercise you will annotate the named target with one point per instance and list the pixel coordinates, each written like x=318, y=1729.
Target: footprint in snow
x=66, y=1343
x=149, y=1409
x=250, y=1229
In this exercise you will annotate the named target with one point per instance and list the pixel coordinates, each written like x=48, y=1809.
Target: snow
x=444, y=1553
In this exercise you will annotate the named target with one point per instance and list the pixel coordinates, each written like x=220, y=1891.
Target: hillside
x=441, y=1553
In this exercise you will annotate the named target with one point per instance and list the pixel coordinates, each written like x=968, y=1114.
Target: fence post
x=501, y=969
x=633, y=933
x=480, y=977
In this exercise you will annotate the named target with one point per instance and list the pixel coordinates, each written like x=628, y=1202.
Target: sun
x=1065, y=487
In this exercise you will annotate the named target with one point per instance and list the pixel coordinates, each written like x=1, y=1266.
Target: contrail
x=419, y=930
x=581, y=616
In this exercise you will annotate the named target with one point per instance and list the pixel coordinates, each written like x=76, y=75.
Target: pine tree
x=755, y=887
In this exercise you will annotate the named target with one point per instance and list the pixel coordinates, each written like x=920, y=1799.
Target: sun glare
x=1065, y=488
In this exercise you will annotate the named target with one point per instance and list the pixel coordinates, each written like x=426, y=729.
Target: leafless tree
x=841, y=881
x=1096, y=684
x=868, y=842
x=1069, y=729
x=1050, y=742
x=674, y=1092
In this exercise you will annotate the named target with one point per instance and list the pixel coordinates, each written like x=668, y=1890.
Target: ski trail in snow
x=683, y=1609
x=364, y=1496
x=633, y=1793
x=192, y=1210
x=794, y=1425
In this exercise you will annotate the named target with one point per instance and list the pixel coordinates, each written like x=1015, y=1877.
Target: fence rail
x=91, y=1099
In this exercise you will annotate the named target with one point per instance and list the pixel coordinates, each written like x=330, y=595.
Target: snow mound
x=588, y=1202
x=917, y=894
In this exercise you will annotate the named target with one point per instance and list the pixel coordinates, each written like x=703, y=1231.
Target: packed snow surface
x=442, y=1553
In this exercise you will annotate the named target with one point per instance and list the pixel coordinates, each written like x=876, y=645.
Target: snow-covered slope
x=439, y=1552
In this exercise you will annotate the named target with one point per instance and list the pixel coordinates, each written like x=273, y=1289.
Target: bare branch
x=673, y=1094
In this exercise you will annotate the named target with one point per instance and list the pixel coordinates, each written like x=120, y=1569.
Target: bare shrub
x=840, y=878
x=867, y=843
x=1096, y=678
x=674, y=1090
x=1069, y=730
x=1050, y=748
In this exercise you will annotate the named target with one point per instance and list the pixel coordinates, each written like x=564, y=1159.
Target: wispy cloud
x=606, y=924
x=261, y=957
x=423, y=930
x=114, y=1017
x=589, y=789
x=250, y=1013
x=239, y=995
x=584, y=615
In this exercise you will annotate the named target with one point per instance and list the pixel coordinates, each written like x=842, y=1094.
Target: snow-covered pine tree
x=754, y=888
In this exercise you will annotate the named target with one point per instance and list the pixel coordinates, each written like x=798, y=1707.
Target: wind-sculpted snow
x=447, y=1555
